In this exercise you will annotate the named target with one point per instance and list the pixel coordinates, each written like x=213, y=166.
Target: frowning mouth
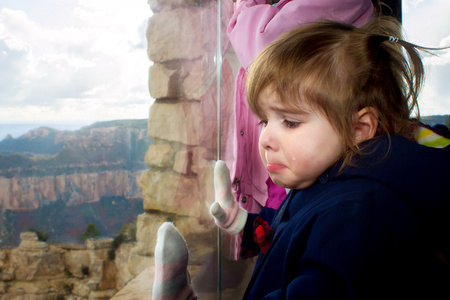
x=274, y=167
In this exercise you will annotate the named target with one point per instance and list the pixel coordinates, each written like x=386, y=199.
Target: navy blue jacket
x=373, y=231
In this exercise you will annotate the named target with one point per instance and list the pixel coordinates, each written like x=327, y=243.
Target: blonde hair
x=340, y=69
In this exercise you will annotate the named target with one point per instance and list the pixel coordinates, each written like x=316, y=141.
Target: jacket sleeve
x=255, y=24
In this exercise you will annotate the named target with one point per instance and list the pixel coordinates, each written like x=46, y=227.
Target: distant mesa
x=45, y=171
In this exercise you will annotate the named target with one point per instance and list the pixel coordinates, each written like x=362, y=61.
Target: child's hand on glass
x=226, y=211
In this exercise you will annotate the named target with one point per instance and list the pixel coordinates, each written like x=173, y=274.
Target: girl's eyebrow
x=284, y=110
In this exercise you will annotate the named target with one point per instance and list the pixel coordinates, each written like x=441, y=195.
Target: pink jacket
x=255, y=25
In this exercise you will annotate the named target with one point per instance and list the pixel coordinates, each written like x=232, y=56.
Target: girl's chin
x=289, y=184
x=279, y=182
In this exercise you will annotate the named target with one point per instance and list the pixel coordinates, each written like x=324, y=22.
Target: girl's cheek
x=262, y=154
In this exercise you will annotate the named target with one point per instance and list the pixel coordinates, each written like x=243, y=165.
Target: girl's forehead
x=270, y=99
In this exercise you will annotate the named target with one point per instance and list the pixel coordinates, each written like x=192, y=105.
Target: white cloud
x=435, y=97
x=85, y=59
x=97, y=60
x=410, y=4
x=426, y=23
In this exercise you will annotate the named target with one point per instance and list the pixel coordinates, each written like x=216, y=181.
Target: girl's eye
x=263, y=123
x=291, y=124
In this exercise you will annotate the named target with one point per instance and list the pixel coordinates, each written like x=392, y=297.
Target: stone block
x=178, y=34
x=188, y=79
x=190, y=122
x=81, y=289
x=189, y=27
x=95, y=273
x=33, y=246
x=37, y=265
x=7, y=273
x=195, y=122
x=198, y=76
x=75, y=260
x=200, y=159
x=30, y=287
x=137, y=263
x=163, y=82
x=109, y=274
x=102, y=294
x=121, y=261
x=98, y=243
x=29, y=236
x=172, y=193
x=183, y=162
x=160, y=155
x=139, y=288
x=146, y=228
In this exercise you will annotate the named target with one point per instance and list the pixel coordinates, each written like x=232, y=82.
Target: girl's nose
x=267, y=138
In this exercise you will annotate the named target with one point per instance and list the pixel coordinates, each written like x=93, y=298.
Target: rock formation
x=46, y=165
x=28, y=193
x=38, y=270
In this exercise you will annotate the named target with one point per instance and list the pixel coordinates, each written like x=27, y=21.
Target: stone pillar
x=178, y=186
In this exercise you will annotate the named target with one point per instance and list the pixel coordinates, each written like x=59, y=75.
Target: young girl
x=368, y=213
x=254, y=25
x=367, y=216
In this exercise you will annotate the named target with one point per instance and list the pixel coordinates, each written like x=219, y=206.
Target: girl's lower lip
x=274, y=167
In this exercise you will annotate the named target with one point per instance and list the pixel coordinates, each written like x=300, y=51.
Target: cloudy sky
x=85, y=60
x=426, y=22
x=73, y=60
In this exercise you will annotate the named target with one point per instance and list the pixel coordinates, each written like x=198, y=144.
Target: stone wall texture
x=178, y=186
x=38, y=270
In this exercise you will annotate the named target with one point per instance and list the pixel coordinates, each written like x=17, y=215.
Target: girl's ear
x=366, y=124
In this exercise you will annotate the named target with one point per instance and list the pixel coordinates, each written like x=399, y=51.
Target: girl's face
x=296, y=148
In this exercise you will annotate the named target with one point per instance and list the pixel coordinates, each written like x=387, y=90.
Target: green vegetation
x=91, y=232
x=111, y=254
x=85, y=270
x=127, y=233
x=41, y=234
x=132, y=229
x=67, y=223
x=68, y=288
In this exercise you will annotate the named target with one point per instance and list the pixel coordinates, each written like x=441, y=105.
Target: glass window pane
x=191, y=84
x=426, y=23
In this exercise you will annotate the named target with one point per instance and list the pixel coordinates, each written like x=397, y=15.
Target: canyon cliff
x=28, y=193
x=46, y=165
x=45, y=171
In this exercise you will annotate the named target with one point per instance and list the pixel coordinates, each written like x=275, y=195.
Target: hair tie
x=393, y=39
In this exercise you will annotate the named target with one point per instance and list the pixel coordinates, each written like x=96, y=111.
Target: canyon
x=60, y=181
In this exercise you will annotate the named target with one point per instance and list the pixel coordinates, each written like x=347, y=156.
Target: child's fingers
x=217, y=211
x=222, y=184
x=221, y=175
